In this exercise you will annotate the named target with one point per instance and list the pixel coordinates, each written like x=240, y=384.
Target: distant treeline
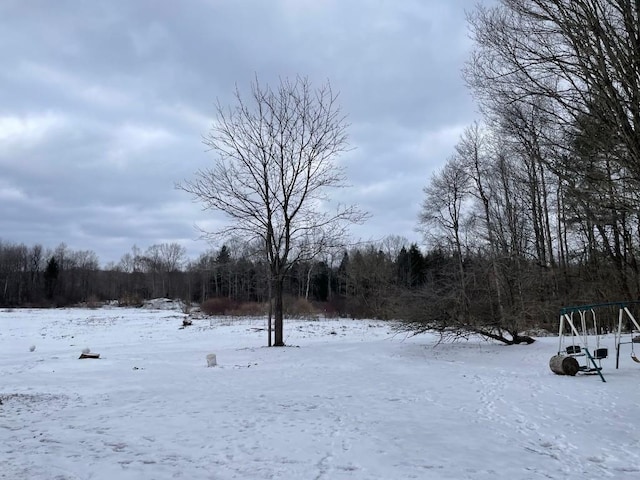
x=388, y=280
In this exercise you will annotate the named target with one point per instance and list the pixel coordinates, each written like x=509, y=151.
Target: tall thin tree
x=275, y=163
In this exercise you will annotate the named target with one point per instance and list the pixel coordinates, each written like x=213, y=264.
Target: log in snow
x=564, y=365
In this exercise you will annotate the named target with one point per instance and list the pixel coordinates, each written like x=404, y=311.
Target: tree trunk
x=269, y=323
x=306, y=290
x=278, y=340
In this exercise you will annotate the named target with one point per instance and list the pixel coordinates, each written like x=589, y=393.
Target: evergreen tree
x=51, y=276
x=403, y=268
x=416, y=266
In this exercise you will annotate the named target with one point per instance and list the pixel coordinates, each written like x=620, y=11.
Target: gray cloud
x=103, y=105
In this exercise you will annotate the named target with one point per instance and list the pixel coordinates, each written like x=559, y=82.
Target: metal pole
x=619, y=336
x=632, y=318
x=560, y=333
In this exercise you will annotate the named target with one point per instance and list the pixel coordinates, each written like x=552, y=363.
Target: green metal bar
x=598, y=369
x=578, y=308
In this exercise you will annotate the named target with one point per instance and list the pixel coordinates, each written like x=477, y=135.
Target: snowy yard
x=346, y=399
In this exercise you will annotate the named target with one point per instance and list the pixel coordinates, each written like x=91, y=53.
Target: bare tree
x=160, y=261
x=583, y=56
x=443, y=214
x=564, y=77
x=275, y=163
x=474, y=205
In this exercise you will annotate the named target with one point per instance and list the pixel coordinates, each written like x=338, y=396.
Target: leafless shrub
x=250, y=309
x=93, y=302
x=130, y=300
x=186, y=306
x=296, y=307
x=218, y=306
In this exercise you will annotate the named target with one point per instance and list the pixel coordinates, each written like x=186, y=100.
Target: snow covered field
x=346, y=399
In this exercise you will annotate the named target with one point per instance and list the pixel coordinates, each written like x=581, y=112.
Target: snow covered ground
x=347, y=399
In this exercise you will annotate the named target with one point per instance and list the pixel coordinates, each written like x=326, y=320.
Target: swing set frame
x=635, y=338
x=580, y=331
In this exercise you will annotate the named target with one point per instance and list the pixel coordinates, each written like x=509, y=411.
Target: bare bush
x=250, y=309
x=130, y=300
x=218, y=306
x=295, y=307
x=94, y=302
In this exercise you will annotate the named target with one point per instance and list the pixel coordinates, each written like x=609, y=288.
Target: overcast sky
x=103, y=105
